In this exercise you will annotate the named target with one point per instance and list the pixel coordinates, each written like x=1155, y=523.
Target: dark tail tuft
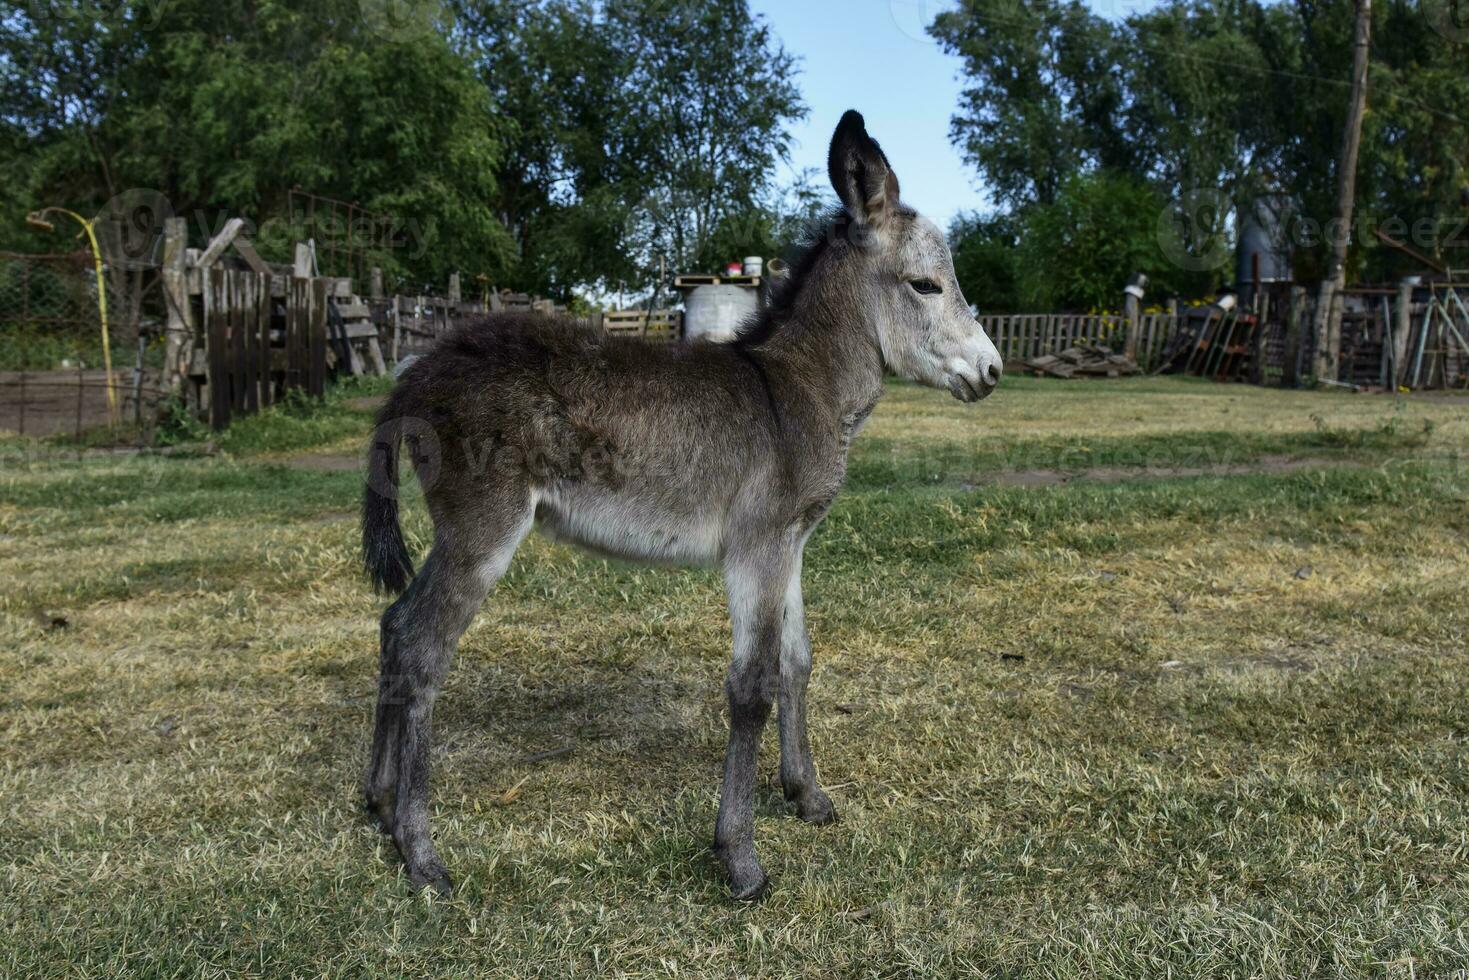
x=384, y=552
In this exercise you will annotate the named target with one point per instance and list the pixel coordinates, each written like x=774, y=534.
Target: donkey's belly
x=637, y=530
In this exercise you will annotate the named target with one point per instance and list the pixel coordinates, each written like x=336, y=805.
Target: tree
x=571, y=172
x=1073, y=253
x=549, y=145
x=643, y=130
x=224, y=108
x=1044, y=93
x=1237, y=98
x=986, y=251
x=713, y=92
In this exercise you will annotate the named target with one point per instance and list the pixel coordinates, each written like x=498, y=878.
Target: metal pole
x=38, y=219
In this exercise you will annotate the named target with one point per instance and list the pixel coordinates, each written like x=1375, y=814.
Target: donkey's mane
x=803, y=257
x=820, y=236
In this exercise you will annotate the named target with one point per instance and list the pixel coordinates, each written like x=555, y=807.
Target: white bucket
x=716, y=312
x=754, y=265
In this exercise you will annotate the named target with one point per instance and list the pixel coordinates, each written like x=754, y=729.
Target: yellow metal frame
x=38, y=219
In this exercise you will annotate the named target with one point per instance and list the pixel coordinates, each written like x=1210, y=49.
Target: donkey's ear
x=860, y=172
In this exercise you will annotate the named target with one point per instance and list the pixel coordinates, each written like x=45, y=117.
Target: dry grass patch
x=1203, y=726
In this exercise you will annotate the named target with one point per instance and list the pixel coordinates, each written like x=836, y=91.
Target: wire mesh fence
x=53, y=359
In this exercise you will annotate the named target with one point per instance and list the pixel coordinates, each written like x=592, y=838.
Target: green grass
x=1140, y=724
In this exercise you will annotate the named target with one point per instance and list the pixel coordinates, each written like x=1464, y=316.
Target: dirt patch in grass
x=326, y=462
x=1265, y=465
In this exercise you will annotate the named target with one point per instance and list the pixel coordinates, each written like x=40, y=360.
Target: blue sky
x=874, y=56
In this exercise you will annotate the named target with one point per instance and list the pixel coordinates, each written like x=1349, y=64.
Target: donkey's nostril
x=994, y=372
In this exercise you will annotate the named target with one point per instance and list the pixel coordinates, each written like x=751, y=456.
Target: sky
x=874, y=56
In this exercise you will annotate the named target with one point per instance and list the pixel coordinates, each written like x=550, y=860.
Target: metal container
x=754, y=266
x=1264, y=250
x=716, y=312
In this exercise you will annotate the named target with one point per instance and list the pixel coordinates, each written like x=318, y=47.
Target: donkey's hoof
x=433, y=875
x=752, y=890
x=816, y=808
x=747, y=879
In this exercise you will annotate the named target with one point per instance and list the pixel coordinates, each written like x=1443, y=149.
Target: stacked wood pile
x=1216, y=342
x=1081, y=361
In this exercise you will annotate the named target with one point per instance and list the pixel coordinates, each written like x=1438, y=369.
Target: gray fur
x=725, y=455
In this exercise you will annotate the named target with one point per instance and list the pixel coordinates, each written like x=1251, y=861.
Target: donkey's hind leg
x=419, y=635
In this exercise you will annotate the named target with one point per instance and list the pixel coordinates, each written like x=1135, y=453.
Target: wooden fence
x=1411, y=335
x=652, y=324
x=1022, y=337
x=243, y=333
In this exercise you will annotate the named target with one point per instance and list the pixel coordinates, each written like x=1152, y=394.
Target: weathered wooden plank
x=375, y=353
x=300, y=329
x=245, y=249
x=304, y=264
x=180, y=329
x=397, y=315
x=240, y=350
x=250, y=323
x=218, y=350
x=320, y=289
x=360, y=330
x=264, y=311
x=222, y=241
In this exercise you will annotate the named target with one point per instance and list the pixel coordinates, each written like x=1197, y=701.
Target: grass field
x=1137, y=678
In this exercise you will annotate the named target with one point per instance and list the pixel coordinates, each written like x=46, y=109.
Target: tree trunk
x=1328, y=306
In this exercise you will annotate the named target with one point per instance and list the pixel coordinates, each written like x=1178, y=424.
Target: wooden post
x=301, y=269
x=1291, y=374
x=377, y=283
x=1328, y=309
x=179, y=327
x=1258, y=347
x=397, y=311
x=1133, y=304
x=1402, y=330
x=454, y=293
x=264, y=312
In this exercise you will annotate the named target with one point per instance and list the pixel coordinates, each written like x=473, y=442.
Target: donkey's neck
x=829, y=342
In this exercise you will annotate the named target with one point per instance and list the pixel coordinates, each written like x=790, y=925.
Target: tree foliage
x=224, y=108
x=1241, y=98
x=545, y=144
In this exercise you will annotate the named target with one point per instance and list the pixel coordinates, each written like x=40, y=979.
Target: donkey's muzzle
x=981, y=385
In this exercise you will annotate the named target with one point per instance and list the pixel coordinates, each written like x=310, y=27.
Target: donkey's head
x=925, y=328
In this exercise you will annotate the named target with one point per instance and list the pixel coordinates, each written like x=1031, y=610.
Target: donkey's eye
x=926, y=286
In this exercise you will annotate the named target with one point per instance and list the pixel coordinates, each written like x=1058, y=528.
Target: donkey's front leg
x=797, y=771
x=756, y=600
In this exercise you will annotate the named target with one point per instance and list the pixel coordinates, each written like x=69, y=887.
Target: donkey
x=700, y=453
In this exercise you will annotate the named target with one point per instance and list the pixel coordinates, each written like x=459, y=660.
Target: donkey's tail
x=384, y=552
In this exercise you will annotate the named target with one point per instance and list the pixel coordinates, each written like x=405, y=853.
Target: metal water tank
x=716, y=312
x=1264, y=250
